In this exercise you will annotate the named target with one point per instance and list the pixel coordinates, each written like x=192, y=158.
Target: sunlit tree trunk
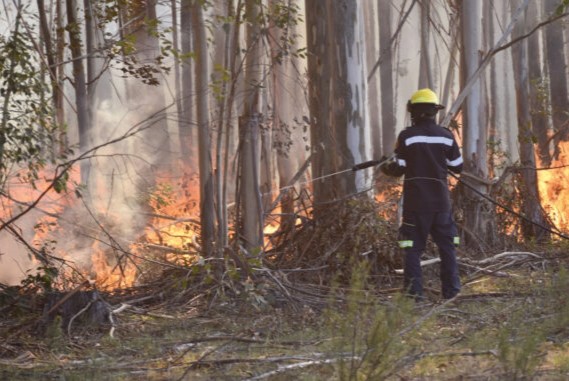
x=557, y=77
x=207, y=212
x=488, y=34
x=538, y=88
x=250, y=212
x=372, y=52
x=289, y=109
x=478, y=220
x=475, y=134
x=531, y=206
x=338, y=106
x=387, y=96
x=81, y=102
x=506, y=99
x=225, y=173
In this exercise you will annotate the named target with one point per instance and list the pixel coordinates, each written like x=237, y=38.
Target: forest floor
x=511, y=321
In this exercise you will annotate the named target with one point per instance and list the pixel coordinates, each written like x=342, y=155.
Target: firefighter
x=424, y=153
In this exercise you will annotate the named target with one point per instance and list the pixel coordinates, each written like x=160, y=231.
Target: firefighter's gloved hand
x=390, y=167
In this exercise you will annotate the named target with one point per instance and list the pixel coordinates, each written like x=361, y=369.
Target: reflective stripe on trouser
x=415, y=229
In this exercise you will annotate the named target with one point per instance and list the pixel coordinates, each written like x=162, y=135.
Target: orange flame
x=551, y=184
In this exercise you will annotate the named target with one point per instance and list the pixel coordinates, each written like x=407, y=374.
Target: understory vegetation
x=325, y=303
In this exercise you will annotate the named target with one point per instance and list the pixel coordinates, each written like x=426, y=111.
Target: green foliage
x=55, y=335
x=561, y=8
x=519, y=346
x=368, y=334
x=162, y=196
x=123, y=52
x=285, y=15
x=42, y=280
x=220, y=77
x=26, y=126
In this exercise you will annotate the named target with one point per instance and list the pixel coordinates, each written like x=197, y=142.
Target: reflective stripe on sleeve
x=456, y=240
x=455, y=162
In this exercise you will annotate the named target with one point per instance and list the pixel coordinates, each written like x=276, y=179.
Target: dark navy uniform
x=424, y=153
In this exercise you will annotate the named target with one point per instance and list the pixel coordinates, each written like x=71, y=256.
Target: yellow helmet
x=425, y=96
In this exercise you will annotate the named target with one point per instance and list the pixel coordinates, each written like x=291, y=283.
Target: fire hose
x=507, y=209
x=372, y=163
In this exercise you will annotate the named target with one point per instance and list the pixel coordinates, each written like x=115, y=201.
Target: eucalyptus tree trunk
x=537, y=89
x=80, y=86
x=493, y=137
x=388, y=118
x=531, y=206
x=507, y=100
x=52, y=63
x=207, y=211
x=338, y=99
x=186, y=131
x=478, y=219
x=177, y=73
x=59, y=58
x=90, y=32
x=226, y=134
x=425, y=70
x=372, y=52
x=475, y=136
x=250, y=211
x=289, y=108
x=557, y=67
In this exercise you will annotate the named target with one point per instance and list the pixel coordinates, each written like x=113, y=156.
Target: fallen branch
x=504, y=255
x=282, y=369
x=426, y=262
x=472, y=263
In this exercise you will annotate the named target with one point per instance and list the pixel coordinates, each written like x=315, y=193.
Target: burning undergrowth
x=346, y=232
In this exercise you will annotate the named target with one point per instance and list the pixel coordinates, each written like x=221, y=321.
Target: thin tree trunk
x=537, y=90
x=226, y=121
x=477, y=219
x=207, y=212
x=475, y=134
x=388, y=118
x=80, y=86
x=372, y=50
x=185, y=127
x=50, y=54
x=531, y=205
x=177, y=74
x=288, y=109
x=251, y=212
x=59, y=57
x=557, y=77
x=425, y=72
x=488, y=25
